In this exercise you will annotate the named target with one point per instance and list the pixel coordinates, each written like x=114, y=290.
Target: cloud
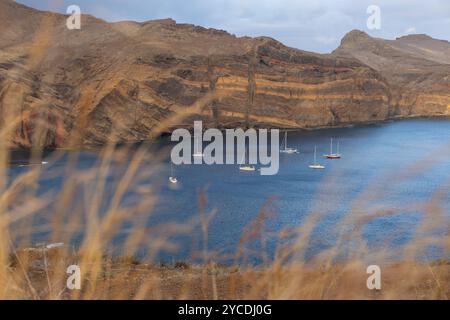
x=411, y=30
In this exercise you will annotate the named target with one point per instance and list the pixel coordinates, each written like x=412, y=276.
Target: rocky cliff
x=416, y=68
x=127, y=81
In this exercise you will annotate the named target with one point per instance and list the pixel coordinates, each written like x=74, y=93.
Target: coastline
x=124, y=278
x=97, y=147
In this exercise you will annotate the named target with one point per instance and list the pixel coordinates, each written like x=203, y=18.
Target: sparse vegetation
x=89, y=212
x=84, y=206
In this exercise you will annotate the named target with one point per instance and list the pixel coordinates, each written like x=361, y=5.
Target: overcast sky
x=314, y=25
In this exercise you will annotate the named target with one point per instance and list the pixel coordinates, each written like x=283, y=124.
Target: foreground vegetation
x=85, y=205
x=127, y=278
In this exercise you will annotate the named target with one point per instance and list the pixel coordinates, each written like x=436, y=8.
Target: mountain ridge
x=124, y=80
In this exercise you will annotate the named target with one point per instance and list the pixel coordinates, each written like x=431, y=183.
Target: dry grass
x=86, y=204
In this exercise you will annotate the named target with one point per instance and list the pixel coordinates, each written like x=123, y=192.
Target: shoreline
x=96, y=147
x=125, y=278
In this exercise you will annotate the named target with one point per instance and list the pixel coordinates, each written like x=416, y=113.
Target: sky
x=313, y=25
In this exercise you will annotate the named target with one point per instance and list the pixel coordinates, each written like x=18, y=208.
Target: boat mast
x=244, y=157
x=247, y=153
x=315, y=151
x=285, y=140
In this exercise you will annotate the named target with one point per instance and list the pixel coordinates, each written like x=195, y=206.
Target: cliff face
x=129, y=80
x=416, y=68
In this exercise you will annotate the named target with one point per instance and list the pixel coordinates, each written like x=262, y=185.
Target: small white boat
x=332, y=155
x=316, y=165
x=285, y=148
x=43, y=163
x=244, y=166
x=247, y=168
x=172, y=178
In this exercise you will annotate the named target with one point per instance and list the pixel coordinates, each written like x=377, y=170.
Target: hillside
x=130, y=80
x=416, y=67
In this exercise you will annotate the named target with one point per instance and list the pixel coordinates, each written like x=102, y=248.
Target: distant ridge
x=124, y=79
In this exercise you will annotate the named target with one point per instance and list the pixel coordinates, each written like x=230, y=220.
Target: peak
x=355, y=33
x=415, y=37
x=354, y=36
x=167, y=21
x=265, y=39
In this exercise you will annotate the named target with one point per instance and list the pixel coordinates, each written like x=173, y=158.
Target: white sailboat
x=197, y=149
x=285, y=148
x=172, y=178
x=316, y=165
x=43, y=163
x=332, y=155
x=244, y=166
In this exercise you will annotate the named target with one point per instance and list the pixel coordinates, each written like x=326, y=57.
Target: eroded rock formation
x=127, y=81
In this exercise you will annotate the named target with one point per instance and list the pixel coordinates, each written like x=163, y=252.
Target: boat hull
x=173, y=180
x=332, y=156
x=289, y=151
x=247, y=168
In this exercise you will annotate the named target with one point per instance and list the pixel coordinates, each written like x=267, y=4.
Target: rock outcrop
x=416, y=68
x=127, y=81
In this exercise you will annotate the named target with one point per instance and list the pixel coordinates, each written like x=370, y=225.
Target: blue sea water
x=388, y=171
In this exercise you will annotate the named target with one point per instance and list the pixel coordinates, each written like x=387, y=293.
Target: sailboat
x=172, y=178
x=286, y=149
x=42, y=163
x=197, y=149
x=332, y=155
x=246, y=167
x=316, y=165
